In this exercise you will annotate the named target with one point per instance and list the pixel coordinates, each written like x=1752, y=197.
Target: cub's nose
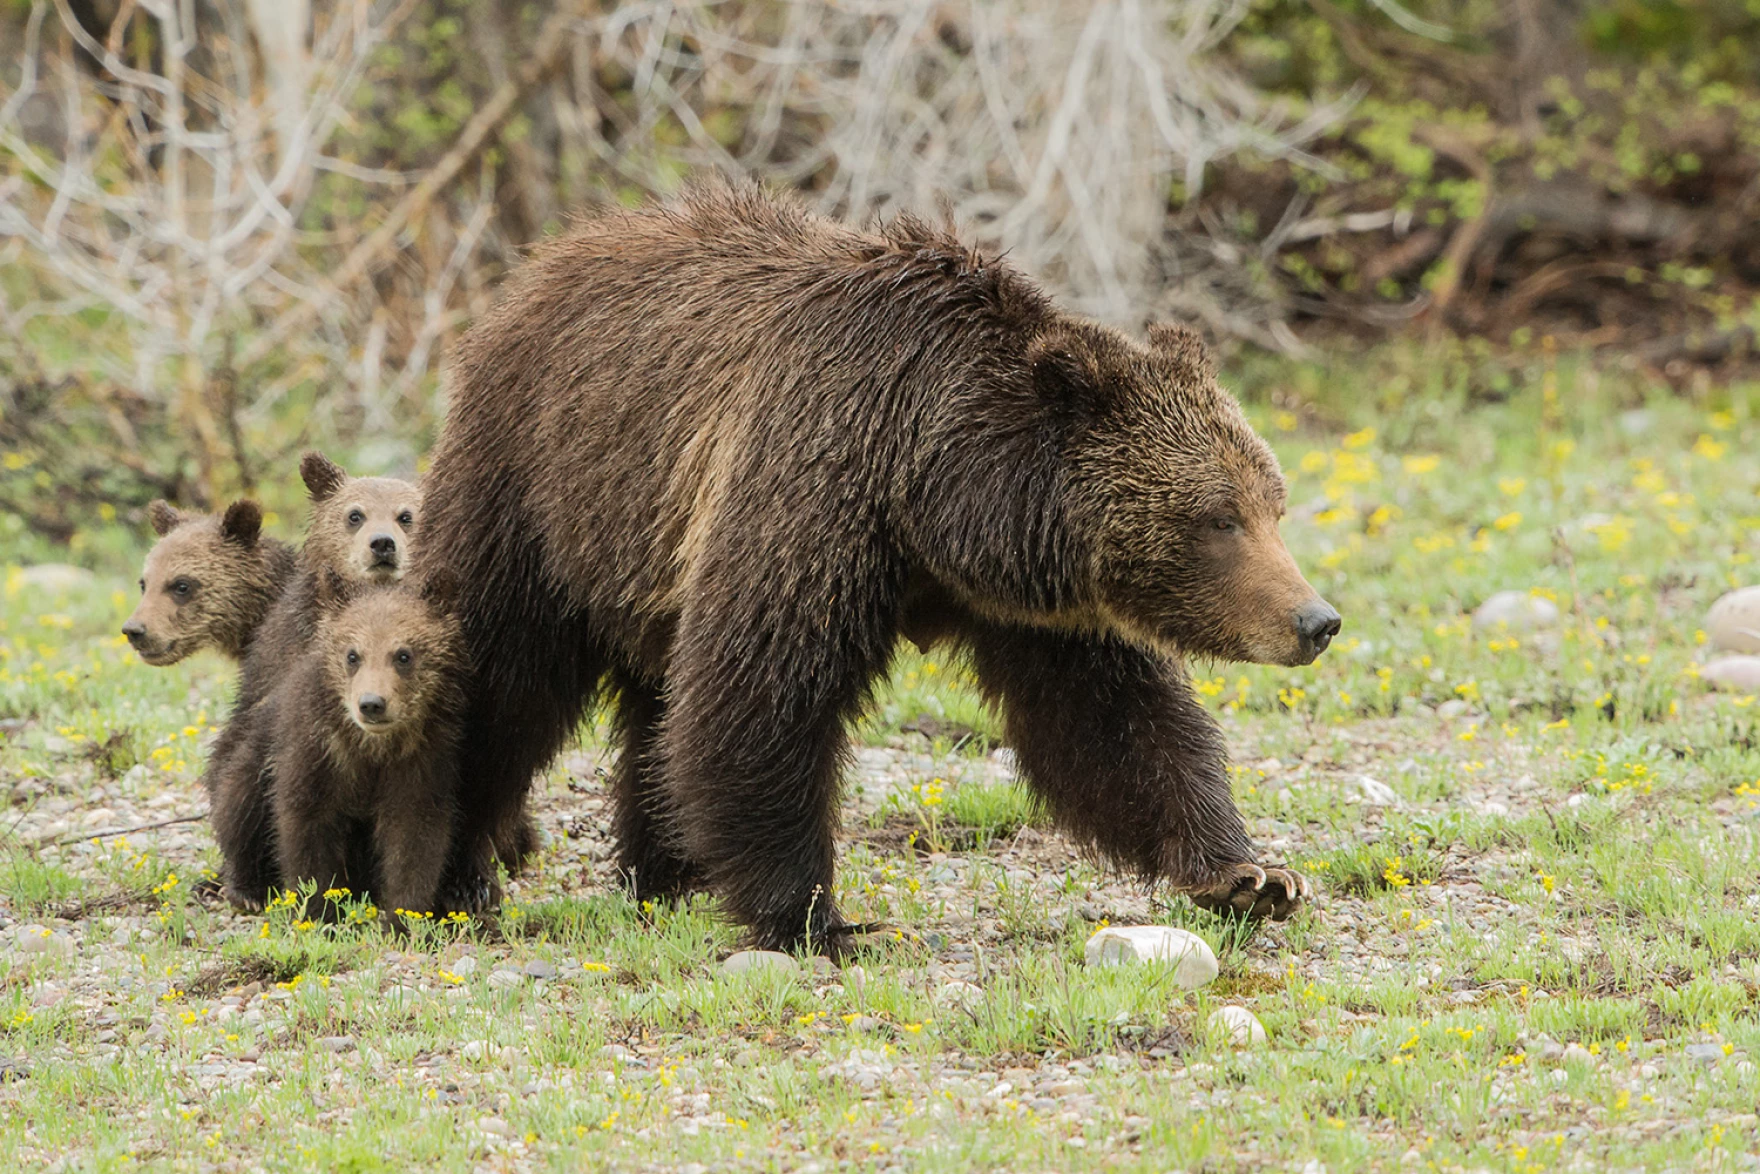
x=372, y=707
x=134, y=630
x=383, y=546
x=1316, y=624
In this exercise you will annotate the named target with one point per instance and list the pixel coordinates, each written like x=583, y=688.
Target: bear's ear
x=1064, y=367
x=242, y=522
x=1182, y=346
x=163, y=517
x=322, y=476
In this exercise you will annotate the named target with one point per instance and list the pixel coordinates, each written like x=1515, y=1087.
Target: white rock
x=463, y=967
x=759, y=960
x=1376, y=793
x=1733, y=624
x=50, y=577
x=1739, y=674
x=1238, y=1027
x=1577, y=1054
x=959, y=994
x=1194, y=963
x=503, y=979
x=39, y=939
x=1515, y=611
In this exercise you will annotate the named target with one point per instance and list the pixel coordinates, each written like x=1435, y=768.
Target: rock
x=747, y=960
x=34, y=939
x=463, y=967
x=1238, y=1027
x=1706, y=1054
x=615, y=1052
x=538, y=968
x=867, y=1024
x=1453, y=708
x=959, y=994
x=54, y=577
x=1733, y=624
x=494, y=1126
x=334, y=1043
x=1194, y=963
x=1739, y=674
x=1516, y=611
x=503, y=979
x=476, y=1049
x=1376, y=793
x=1577, y=1054
x=855, y=981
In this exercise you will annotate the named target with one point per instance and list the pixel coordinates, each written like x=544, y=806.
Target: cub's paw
x=1249, y=891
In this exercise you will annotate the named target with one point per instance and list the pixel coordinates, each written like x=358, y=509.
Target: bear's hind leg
x=649, y=855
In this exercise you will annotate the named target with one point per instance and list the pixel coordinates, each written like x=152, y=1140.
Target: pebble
x=503, y=979
x=54, y=577
x=1194, y=962
x=959, y=994
x=495, y=1126
x=39, y=939
x=1516, y=611
x=1706, y=1054
x=1738, y=673
x=1733, y=624
x=1376, y=793
x=463, y=967
x=1577, y=1054
x=746, y=960
x=867, y=1024
x=334, y=1043
x=538, y=968
x=1238, y=1027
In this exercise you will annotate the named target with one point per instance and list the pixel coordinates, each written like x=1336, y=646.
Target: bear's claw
x=1251, y=892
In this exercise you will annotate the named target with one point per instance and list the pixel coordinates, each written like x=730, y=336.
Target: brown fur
x=717, y=457
x=207, y=583
x=362, y=736
x=347, y=514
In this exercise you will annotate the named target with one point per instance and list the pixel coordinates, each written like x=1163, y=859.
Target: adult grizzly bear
x=718, y=456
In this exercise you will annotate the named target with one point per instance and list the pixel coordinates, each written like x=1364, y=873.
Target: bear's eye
x=403, y=658
x=143, y=586
x=181, y=588
x=1225, y=525
x=406, y=519
x=356, y=517
x=353, y=658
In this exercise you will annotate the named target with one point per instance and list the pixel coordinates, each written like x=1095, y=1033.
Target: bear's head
x=361, y=526
x=201, y=583
x=1181, y=498
x=391, y=659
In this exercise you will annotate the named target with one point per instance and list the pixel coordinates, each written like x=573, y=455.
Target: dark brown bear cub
x=717, y=458
x=207, y=583
x=363, y=740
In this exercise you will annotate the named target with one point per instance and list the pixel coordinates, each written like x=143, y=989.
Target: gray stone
x=1237, y=1027
x=1738, y=674
x=1194, y=962
x=503, y=979
x=334, y=1043
x=538, y=968
x=747, y=960
x=1376, y=793
x=1733, y=624
x=1706, y=1054
x=1515, y=611
x=463, y=967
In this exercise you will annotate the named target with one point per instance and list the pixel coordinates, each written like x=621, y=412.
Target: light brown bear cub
x=207, y=583
x=363, y=734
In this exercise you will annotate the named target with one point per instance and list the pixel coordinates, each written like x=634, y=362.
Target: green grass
x=1573, y=860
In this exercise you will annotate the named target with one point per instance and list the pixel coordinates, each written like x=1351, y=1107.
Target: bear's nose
x=383, y=546
x=134, y=630
x=372, y=707
x=1316, y=624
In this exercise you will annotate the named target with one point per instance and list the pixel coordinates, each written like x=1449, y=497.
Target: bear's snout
x=384, y=548
x=1317, y=622
x=135, y=631
x=372, y=708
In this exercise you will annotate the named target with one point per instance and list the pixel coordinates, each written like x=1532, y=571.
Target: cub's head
x=1180, y=497
x=392, y=657
x=361, y=526
x=202, y=584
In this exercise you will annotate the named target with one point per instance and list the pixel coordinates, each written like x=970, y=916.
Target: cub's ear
x=242, y=522
x=334, y=592
x=163, y=517
x=322, y=476
x=1183, y=346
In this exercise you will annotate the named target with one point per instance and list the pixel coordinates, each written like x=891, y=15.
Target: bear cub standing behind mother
x=715, y=458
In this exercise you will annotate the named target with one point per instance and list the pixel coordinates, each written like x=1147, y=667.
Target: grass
x=1544, y=954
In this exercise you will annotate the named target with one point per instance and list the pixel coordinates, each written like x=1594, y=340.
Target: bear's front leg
x=412, y=830
x=1128, y=761
x=648, y=850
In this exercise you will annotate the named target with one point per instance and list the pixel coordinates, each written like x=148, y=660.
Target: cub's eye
x=181, y=588
x=406, y=519
x=1225, y=525
x=143, y=586
x=355, y=518
x=353, y=658
x=403, y=658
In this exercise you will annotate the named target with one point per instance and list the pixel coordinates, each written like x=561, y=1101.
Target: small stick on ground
x=145, y=827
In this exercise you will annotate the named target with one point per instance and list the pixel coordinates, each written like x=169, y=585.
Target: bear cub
x=363, y=743
x=207, y=583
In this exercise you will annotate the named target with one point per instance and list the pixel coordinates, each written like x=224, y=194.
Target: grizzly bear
x=207, y=582
x=360, y=529
x=717, y=457
x=361, y=736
